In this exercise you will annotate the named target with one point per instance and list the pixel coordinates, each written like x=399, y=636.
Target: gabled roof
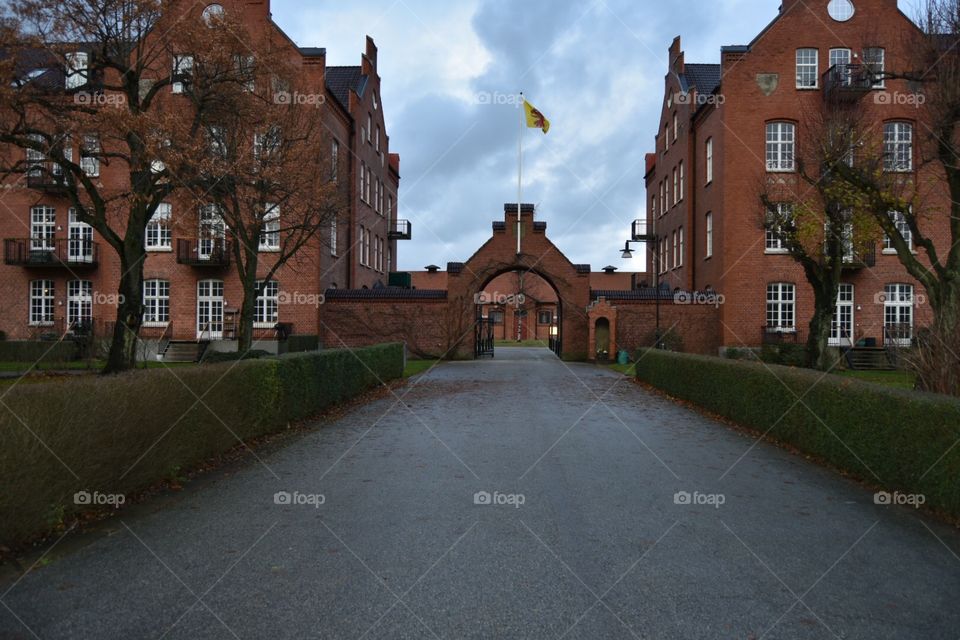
x=340, y=80
x=705, y=77
x=312, y=52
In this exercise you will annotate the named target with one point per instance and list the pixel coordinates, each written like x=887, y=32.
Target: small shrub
x=906, y=438
x=31, y=351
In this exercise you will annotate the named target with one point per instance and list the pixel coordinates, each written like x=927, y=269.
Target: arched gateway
x=498, y=255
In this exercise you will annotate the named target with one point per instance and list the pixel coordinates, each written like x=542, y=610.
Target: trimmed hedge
x=122, y=434
x=906, y=438
x=31, y=351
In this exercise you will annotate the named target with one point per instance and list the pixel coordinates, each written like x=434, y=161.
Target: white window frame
x=898, y=305
x=156, y=302
x=676, y=126
x=682, y=182
x=781, y=307
x=675, y=185
x=898, y=147
x=334, y=160
x=334, y=233
x=843, y=317
x=663, y=197
x=79, y=301
x=900, y=221
x=781, y=139
x=680, y=240
x=266, y=310
x=42, y=303
x=804, y=67
x=159, y=236
x=676, y=262
x=709, y=163
x=709, y=228
x=245, y=65
x=79, y=239
x=182, y=65
x=43, y=228
x=76, y=69
x=90, y=164
x=842, y=56
x=773, y=239
x=363, y=180
x=270, y=230
x=876, y=66
x=210, y=309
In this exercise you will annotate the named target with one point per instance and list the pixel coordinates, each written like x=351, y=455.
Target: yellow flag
x=535, y=119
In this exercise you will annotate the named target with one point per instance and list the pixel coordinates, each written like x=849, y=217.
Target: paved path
x=597, y=549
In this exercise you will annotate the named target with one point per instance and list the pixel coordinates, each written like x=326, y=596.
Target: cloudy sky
x=450, y=73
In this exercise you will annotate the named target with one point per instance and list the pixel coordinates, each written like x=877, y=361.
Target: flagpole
x=520, y=170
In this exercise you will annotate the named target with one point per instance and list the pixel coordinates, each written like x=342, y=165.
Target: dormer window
x=76, y=70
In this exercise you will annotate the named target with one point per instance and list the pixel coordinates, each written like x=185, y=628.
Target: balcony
x=847, y=82
x=639, y=231
x=781, y=335
x=402, y=230
x=861, y=259
x=46, y=176
x=31, y=252
x=212, y=253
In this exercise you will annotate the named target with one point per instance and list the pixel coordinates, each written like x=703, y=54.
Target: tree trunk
x=248, y=280
x=821, y=323
x=123, y=347
x=937, y=363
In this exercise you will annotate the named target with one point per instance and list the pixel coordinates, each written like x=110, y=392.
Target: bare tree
x=87, y=85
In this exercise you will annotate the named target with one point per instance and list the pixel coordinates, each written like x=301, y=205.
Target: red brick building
x=57, y=272
x=727, y=128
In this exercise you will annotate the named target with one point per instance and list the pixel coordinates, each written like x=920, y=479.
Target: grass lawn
x=897, y=379
x=625, y=369
x=522, y=343
x=417, y=366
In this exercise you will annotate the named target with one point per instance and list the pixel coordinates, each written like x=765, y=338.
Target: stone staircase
x=869, y=359
x=184, y=351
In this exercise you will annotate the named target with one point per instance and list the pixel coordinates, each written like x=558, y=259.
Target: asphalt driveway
x=520, y=497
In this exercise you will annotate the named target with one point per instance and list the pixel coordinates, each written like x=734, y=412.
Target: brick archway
x=538, y=255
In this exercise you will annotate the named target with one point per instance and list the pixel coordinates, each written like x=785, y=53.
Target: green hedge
x=904, y=437
x=298, y=343
x=121, y=434
x=31, y=351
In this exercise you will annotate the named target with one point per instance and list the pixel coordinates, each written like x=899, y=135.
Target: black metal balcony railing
x=848, y=80
x=45, y=176
x=640, y=231
x=401, y=230
x=204, y=252
x=866, y=257
x=781, y=335
x=52, y=252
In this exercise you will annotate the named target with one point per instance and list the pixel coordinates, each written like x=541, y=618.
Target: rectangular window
x=900, y=221
x=41, y=303
x=676, y=190
x=79, y=304
x=159, y=237
x=663, y=197
x=709, y=170
x=35, y=158
x=898, y=313
x=267, y=307
x=873, y=60
x=676, y=261
x=363, y=243
x=363, y=180
x=666, y=137
x=182, y=70
x=390, y=207
x=368, y=239
x=898, y=146
x=366, y=188
x=244, y=66
x=76, y=70
x=218, y=142
x=840, y=62
x=777, y=218
x=709, y=227
x=545, y=317
x=43, y=227
x=90, y=155
x=79, y=240
x=270, y=231
x=841, y=328
x=808, y=74
x=334, y=232
x=781, y=307
x=334, y=160
x=156, y=302
x=676, y=127
x=682, y=181
x=680, y=241
x=369, y=127
x=781, y=137
x=378, y=139
x=267, y=144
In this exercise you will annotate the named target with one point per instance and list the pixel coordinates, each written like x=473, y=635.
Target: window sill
x=40, y=324
x=155, y=325
x=268, y=250
x=787, y=330
x=769, y=170
x=159, y=249
x=264, y=325
x=776, y=252
x=817, y=88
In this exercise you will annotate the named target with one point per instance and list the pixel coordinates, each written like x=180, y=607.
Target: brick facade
x=729, y=105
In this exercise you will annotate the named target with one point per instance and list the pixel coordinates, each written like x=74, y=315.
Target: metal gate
x=483, y=338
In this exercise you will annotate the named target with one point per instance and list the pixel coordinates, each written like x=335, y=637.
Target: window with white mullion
x=781, y=307
x=781, y=140
x=158, y=234
x=900, y=222
x=41, y=303
x=267, y=307
x=156, y=302
x=79, y=303
x=898, y=313
x=43, y=227
x=874, y=61
x=270, y=229
x=774, y=238
x=898, y=146
x=808, y=74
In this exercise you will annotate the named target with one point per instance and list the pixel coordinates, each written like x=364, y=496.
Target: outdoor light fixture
x=627, y=253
